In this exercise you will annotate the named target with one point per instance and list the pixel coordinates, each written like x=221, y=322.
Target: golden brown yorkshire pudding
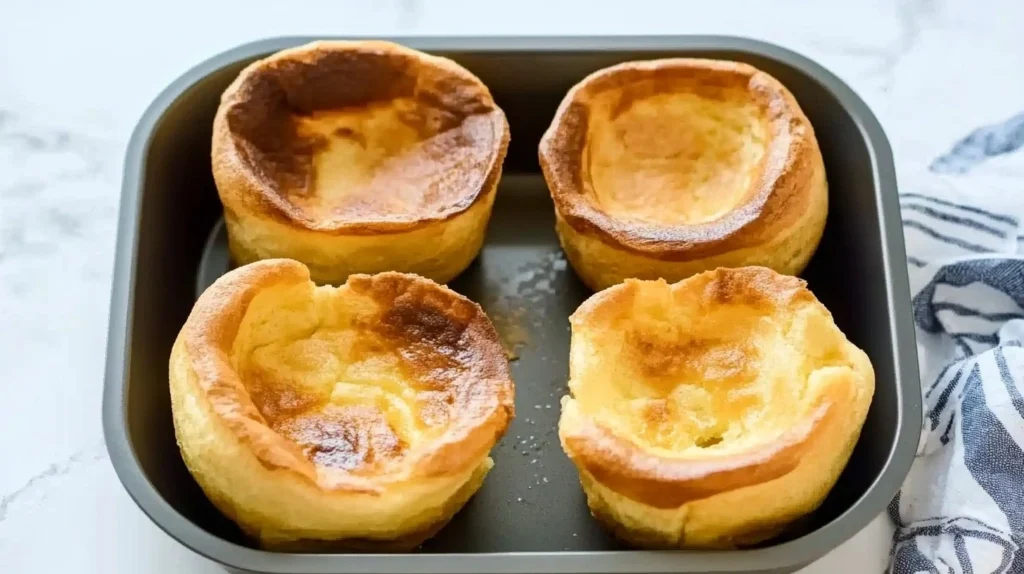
x=361, y=416
x=666, y=168
x=358, y=157
x=712, y=412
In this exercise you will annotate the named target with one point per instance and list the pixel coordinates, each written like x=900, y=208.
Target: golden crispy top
x=678, y=158
x=723, y=379
x=356, y=137
x=384, y=378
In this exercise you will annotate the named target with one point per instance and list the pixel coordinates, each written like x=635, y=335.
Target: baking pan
x=531, y=515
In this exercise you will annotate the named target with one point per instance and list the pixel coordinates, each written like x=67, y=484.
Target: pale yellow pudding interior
x=391, y=160
x=355, y=380
x=358, y=150
x=672, y=151
x=674, y=372
x=366, y=137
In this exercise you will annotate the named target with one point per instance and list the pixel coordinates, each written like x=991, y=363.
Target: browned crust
x=669, y=482
x=663, y=482
x=758, y=287
x=245, y=184
x=640, y=537
x=483, y=405
x=776, y=199
x=404, y=543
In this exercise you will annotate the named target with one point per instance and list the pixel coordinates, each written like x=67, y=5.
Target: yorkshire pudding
x=358, y=157
x=666, y=168
x=712, y=412
x=356, y=417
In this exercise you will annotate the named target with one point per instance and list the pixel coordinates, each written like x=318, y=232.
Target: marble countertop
x=76, y=76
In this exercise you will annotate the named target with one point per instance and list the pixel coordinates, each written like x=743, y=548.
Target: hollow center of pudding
x=694, y=388
x=674, y=374
x=354, y=383
x=384, y=160
x=673, y=152
x=353, y=136
x=356, y=151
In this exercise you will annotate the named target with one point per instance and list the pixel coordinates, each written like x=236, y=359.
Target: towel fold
x=961, y=509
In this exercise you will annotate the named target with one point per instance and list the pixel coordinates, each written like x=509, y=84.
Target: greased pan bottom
x=531, y=515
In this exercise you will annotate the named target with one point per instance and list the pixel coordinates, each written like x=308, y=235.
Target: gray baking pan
x=530, y=515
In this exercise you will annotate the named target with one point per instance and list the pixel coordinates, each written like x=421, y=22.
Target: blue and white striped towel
x=961, y=509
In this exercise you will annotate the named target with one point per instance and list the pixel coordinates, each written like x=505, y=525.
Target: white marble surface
x=75, y=76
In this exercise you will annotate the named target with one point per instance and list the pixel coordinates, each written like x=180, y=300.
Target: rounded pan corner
x=791, y=554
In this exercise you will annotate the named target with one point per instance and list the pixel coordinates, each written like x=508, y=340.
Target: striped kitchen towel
x=961, y=509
